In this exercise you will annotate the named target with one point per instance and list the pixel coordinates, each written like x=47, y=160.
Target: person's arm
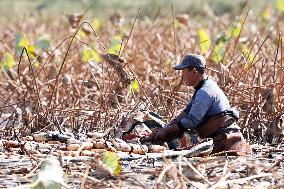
x=186, y=121
x=177, y=118
x=181, y=115
x=200, y=105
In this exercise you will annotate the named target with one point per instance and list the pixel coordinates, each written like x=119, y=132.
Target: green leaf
x=43, y=42
x=36, y=64
x=31, y=49
x=116, y=40
x=97, y=24
x=8, y=61
x=246, y=52
x=80, y=34
x=135, y=85
x=115, y=45
x=222, y=38
x=280, y=5
x=114, y=49
x=219, y=51
x=204, y=40
x=249, y=57
x=236, y=30
x=89, y=54
x=112, y=161
x=22, y=41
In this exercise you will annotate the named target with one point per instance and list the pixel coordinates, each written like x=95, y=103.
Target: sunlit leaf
x=114, y=49
x=36, y=64
x=31, y=49
x=219, y=51
x=221, y=38
x=97, y=24
x=280, y=5
x=246, y=52
x=86, y=55
x=266, y=14
x=89, y=54
x=43, y=42
x=112, y=161
x=133, y=87
x=177, y=24
x=248, y=56
x=50, y=176
x=8, y=61
x=116, y=40
x=235, y=31
x=204, y=40
x=96, y=56
x=115, y=45
x=80, y=34
x=22, y=41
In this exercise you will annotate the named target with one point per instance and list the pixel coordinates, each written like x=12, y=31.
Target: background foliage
x=241, y=41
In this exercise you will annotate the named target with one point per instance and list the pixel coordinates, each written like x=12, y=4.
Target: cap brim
x=179, y=66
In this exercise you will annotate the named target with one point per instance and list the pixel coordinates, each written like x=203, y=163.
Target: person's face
x=189, y=76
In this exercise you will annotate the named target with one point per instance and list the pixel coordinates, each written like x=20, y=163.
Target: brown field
x=64, y=84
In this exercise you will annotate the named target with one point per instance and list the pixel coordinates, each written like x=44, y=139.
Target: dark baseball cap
x=191, y=60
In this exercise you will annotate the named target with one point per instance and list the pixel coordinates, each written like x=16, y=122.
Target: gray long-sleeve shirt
x=207, y=101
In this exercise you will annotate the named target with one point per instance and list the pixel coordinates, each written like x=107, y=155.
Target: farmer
x=208, y=114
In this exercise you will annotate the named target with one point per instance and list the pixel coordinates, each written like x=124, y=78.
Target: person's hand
x=167, y=134
x=161, y=135
x=150, y=137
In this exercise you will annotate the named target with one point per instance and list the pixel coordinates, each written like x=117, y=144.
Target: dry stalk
x=196, y=171
x=85, y=178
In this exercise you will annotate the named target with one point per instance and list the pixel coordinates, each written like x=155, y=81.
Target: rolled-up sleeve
x=199, y=106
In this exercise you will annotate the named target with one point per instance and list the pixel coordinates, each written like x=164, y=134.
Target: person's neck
x=199, y=83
